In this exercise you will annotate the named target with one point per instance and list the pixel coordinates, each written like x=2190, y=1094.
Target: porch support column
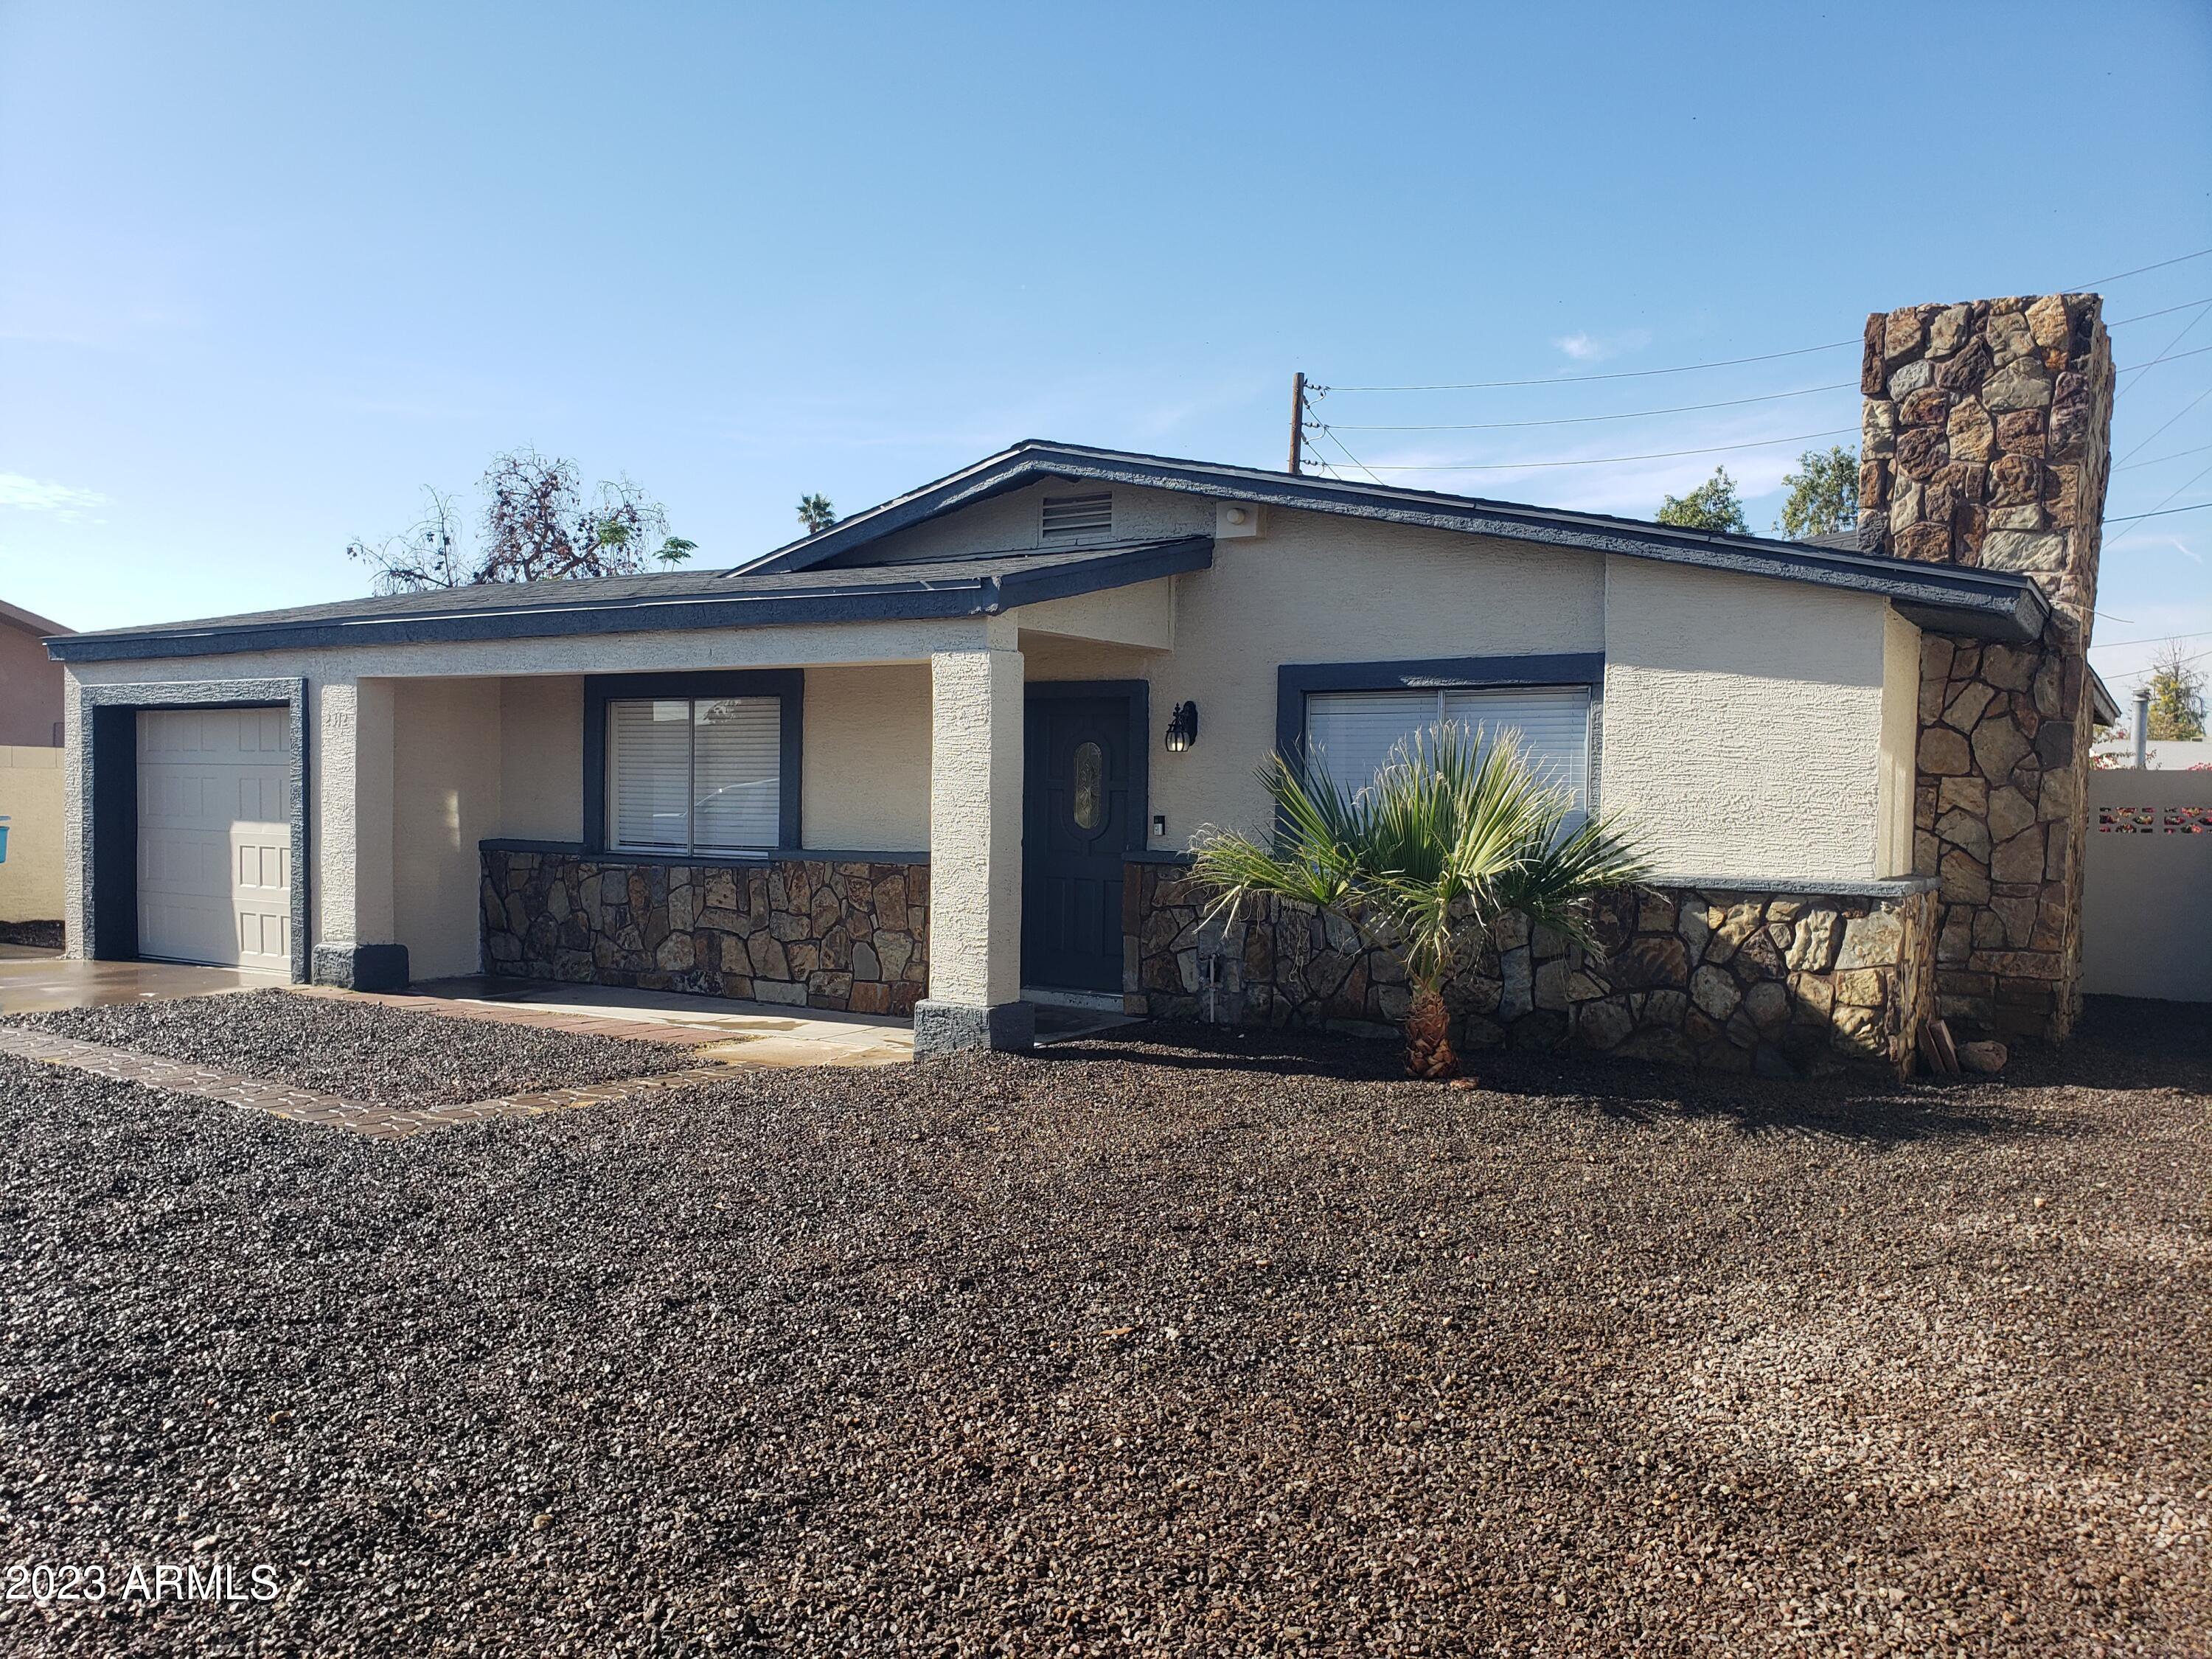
x=975, y=852
x=350, y=739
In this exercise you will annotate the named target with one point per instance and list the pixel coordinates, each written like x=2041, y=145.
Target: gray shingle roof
x=1993, y=604
x=977, y=586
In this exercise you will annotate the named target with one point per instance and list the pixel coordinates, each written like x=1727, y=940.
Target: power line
x=2178, y=454
x=2145, y=316
x=2178, y=259
x=2153, y=639
x=1621, y=374
x=2155, y=436
x=1582, y=419
x=2162, y=512
x=1763, y=357
x=2193, y=351
x=1600, y=460
x=2167, y=353
x=1348, y=455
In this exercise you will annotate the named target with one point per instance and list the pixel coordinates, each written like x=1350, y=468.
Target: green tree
x=1713, y=504
x=816, y=512
x=1824, y=494
x=2177, y=699
x=1453, y=834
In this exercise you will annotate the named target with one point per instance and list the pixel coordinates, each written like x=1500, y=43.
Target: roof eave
x=1982, y=604
x=919, y=600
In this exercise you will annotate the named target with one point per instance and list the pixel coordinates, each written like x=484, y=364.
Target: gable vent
x=1076, y=515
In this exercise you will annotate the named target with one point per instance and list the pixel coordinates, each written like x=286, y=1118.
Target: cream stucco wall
x=31, y=801
x=1743, y=722
x=1320, y=588
x=1015, y=521
x=540, y=757
x=446, y=797
x=864, y=759
x=1900, y=742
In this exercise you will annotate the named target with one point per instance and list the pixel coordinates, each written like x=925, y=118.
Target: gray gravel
x=1132, y=1347
x=362, y=1050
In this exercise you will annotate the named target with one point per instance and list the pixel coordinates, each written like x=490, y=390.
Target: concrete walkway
x=33, y=981
x=363, y=1117
x=738, y=1033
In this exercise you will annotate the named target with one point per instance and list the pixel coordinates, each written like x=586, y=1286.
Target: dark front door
x=1080, y=807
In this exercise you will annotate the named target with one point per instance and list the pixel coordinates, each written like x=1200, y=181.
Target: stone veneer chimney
x=1986, y=441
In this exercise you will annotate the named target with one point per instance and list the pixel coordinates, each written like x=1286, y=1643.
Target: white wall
x=446, y=797
x=2147, y=897
x=1744, y=721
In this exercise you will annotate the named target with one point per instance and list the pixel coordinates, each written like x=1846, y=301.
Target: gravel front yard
x=361, y=1050
x=1135, y=1348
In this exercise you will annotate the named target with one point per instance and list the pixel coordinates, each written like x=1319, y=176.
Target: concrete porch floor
x=746, y=1033
x=35, y=981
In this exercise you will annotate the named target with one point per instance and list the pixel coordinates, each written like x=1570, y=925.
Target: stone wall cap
x=575, y=849
x=1800, y=886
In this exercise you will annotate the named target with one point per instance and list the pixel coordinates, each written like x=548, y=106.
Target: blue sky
x=268, y=271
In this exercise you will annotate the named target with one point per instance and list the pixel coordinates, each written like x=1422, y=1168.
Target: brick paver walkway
x=305, y=1106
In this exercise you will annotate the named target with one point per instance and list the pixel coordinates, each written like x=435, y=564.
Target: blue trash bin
x=3, y=841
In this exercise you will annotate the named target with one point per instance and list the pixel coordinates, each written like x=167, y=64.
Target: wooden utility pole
x=1297, y=420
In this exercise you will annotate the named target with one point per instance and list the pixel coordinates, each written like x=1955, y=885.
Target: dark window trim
x=107, y=802
x=1294, y=679
x=600, y=689
x=1139, y=694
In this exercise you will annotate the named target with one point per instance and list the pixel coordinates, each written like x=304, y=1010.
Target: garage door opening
x=214, y=837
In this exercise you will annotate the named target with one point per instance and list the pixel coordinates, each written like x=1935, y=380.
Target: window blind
x=693, y=774
x=1350, y=734
x=736, y=748
x=648, y=771
x=1552, y=723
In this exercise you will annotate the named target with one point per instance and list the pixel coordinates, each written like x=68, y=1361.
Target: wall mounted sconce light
x=1182, y=727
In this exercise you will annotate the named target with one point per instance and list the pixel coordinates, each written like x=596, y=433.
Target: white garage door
x=215, y=841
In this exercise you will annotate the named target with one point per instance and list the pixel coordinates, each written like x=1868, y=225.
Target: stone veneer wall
x=1986, y=441
x=1785, y=983
x=818, y=933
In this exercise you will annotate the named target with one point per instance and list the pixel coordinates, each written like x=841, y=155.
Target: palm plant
x=1453, y=834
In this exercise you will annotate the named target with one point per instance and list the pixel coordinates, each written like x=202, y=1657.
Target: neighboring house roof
x=29, y=622
x=980, y=586
x=1989, y=603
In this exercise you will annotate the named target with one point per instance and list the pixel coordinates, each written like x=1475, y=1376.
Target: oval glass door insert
x=1089, y=795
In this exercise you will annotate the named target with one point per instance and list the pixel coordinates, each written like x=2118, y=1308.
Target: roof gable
x=1997, y=605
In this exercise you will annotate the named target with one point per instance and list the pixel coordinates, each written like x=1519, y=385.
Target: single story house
x=946, y=756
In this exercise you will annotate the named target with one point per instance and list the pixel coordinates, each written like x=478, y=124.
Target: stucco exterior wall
x=30, y=690
x=1320, y=588
x=1015, y=520
x=1900, y=731
x=31, y=802
x=865, y=782
x=446, y=797
x=540, y=757
x=1743, y=722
